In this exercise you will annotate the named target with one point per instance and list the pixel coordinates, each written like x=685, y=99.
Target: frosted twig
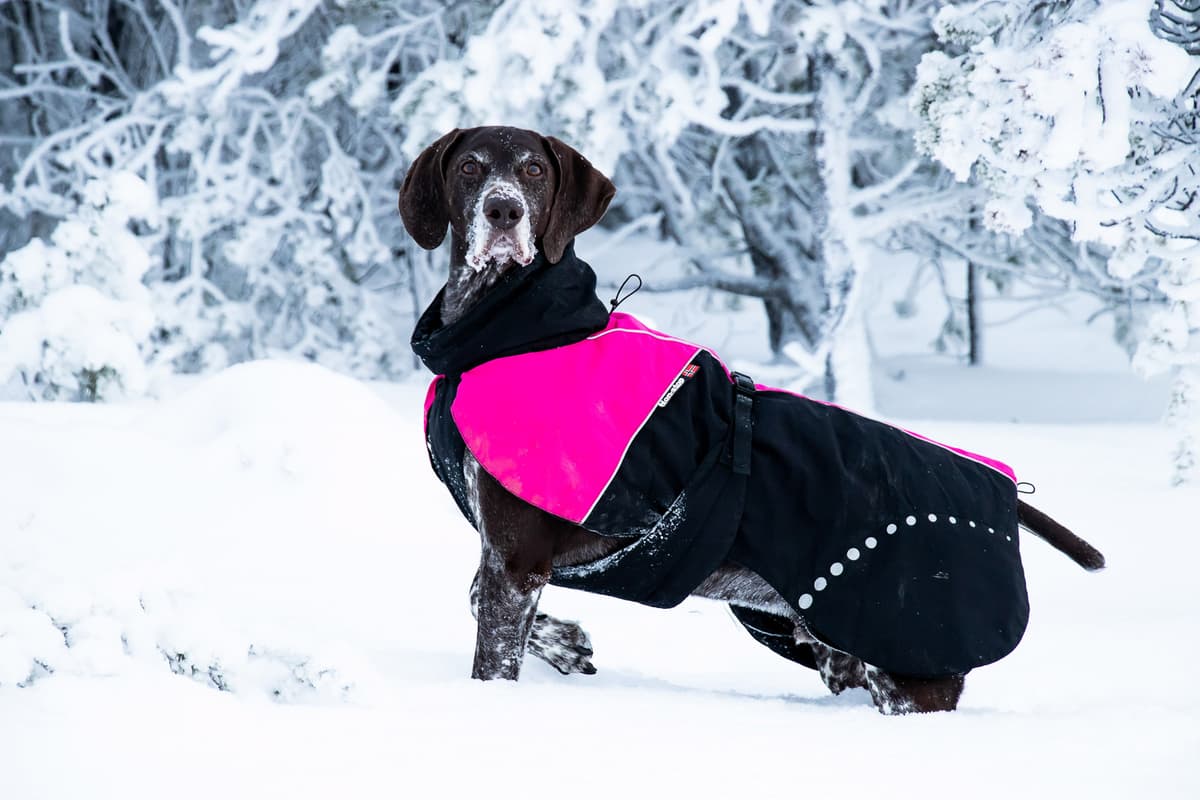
x=880, y=190
x=642, y=222
x=749, y=126
x=767, y=95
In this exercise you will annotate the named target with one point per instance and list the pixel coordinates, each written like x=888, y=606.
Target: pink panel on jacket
x=430, y=393
x=553, y=426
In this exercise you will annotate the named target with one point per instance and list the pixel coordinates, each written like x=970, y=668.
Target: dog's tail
x=1059, y=537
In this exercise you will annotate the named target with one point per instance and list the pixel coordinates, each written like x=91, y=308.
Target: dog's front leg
x=515, y=563
x=562, y=644
x=507, y=604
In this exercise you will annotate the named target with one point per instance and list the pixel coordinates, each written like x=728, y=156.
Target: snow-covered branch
x=274, y=217
x=1090, y=114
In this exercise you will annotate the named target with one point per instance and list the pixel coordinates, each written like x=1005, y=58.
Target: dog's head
x=504, y=192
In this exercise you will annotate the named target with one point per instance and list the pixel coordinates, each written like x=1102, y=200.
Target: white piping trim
x=625, y=452
x=659, y=336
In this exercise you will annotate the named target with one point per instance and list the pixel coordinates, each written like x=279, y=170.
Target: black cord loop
x=616, y=301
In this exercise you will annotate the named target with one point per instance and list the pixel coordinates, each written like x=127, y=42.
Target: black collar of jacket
x=531, y=308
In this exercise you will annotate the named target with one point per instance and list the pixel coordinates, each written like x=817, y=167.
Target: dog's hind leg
x=897, y=694
x=839, y=671
x=561, y=644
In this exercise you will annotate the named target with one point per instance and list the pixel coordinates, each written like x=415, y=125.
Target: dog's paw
x=839, y=671
x=563, y=645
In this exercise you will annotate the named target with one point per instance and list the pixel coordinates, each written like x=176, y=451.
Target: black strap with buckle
x=743, y=423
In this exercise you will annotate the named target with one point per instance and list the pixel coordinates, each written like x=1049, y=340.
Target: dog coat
x=891, y=547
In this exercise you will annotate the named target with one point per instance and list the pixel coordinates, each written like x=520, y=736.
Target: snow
x=485, y=243
x=1054, y=114
x=78, y=314
x=1064, y=114
x=276, y=529
x=253, y=585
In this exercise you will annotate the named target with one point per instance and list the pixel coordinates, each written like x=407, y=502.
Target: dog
x=511, y=197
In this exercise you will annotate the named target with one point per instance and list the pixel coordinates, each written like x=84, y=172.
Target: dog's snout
x=502, y=211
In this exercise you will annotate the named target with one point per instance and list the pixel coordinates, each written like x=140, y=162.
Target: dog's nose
x=502, y=211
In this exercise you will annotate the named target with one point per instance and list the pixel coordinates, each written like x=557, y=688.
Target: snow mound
x=239, y=535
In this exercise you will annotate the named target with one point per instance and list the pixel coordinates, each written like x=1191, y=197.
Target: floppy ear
x=581, y=200
x=423, y=205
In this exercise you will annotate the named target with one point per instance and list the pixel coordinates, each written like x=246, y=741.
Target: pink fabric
x=554, y=426
x=556, y=435
x=429, y=395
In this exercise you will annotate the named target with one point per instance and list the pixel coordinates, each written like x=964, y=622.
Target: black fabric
x=775, y=632
x=666, y=454
x=890, y=547
x=446, y=446
x=537, y=307
x=665, y=564
x=940, y=595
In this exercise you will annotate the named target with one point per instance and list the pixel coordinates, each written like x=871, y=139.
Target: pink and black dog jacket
x=892, y=547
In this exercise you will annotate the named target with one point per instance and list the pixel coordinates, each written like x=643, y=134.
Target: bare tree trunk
x=774, y=257
x=848, y=367
x=974, y=338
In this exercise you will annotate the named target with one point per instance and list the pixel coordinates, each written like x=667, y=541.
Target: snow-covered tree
x=78, y=315
x=1083, y=113
x=769, y=139
x=277, y=230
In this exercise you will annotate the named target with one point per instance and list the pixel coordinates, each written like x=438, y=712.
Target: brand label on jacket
x=688, y=371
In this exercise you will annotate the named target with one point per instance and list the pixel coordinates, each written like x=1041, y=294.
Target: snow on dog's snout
x=488, y=243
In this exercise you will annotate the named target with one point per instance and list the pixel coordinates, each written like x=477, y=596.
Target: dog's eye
x=534, y=170
x=470, y=168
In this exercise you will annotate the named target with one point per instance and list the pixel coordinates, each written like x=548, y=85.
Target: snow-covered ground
x=275, y=531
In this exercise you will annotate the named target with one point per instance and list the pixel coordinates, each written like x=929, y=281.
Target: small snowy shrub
x=75, y=318
x=277, y=230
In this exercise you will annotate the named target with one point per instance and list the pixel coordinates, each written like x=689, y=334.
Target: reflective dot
x=871, y=542
x=1008, y=537
x=972, y=523
x=853, y=554
x=910, y=520
x=819, y=584
x=805, y=600
x=891, y=528
x=836, y=568
x=991, y=530
x=933, y=517
x=953, y=521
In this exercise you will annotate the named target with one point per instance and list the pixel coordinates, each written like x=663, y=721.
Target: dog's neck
x=466, y=285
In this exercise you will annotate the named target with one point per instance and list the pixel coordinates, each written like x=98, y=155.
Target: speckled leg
x=840, y=671
x=561, y=644
x=507, y=606
x=896, y=694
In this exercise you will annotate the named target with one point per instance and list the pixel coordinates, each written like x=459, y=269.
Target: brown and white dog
x=505, y=194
